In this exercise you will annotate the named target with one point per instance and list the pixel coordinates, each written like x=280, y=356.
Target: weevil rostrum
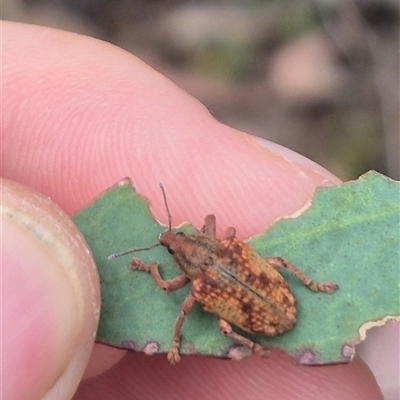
x=229, y=279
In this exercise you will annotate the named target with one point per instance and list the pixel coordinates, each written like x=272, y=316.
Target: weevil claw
x=173, y=356
x=328, y=287
x=260, y=351
x=137, y=265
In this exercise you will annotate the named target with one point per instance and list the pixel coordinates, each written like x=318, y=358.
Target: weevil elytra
x=230, y=280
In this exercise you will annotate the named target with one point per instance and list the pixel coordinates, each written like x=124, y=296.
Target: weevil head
x=192, y=252
x=172, y=241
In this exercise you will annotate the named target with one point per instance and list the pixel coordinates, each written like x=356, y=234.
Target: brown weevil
x=230, y=280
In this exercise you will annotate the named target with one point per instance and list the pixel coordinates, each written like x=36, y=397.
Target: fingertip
x=275, y=378
x=381, y=351
x=137, y=123
x=50, y=293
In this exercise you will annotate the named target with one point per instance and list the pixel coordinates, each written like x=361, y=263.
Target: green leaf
x=350, y=235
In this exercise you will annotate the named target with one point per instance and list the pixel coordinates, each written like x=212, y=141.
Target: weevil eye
x=170, y=251
x=180, y=234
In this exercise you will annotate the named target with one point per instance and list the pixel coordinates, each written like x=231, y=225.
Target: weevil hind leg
x=186, y=307
x=327, y=287
x=210, y=226
x=152, y=269
x=226, y=330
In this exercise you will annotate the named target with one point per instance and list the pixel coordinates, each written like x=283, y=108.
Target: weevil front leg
x=226, y=330
x=210, y=226
x=186, y=307
x=152, y=269
x=327, y=287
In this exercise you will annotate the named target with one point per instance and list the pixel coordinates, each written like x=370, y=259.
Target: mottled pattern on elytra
x=231, y=280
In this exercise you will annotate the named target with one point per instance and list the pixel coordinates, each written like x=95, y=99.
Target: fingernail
x=297, y=158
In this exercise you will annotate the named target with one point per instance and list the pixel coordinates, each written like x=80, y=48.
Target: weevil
x=229, y=279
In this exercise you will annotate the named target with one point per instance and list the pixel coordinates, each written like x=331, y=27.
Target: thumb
x=50, y=297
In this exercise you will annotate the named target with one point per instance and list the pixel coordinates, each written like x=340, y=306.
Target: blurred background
x=318, y=76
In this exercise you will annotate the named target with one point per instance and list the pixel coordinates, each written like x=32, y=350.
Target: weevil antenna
x=166, y=206
x=124, y=253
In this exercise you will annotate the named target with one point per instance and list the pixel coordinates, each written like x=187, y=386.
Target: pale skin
x=108, y=139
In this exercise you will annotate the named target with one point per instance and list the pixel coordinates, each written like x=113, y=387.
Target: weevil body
x=230, y=280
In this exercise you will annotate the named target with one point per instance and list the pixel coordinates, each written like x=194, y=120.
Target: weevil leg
x=327, y=287
x=169, y=285
x=226, y=330
x=210, y=226
x=187, y=305
x=230, y=233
